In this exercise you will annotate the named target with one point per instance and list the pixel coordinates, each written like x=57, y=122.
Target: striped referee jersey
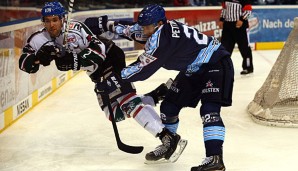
x=234, y=10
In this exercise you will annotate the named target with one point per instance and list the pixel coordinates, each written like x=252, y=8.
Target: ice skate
x=246, y=72
x=160, y=92
x=167, y=152
x=212, y=163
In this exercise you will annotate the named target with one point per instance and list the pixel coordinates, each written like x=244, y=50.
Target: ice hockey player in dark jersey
x=101, y=60
x=206, y=75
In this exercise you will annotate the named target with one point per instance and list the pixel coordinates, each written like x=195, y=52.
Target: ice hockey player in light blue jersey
x=206, y=75
x=173, y=145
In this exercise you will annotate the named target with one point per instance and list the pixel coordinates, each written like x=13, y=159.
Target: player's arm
x=141, y=69
x=153, y=58
x=90, y=50
x=131, y=31
x=125, y=29
x=31, y=57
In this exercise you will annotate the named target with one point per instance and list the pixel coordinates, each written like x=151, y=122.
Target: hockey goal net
x=276, y=102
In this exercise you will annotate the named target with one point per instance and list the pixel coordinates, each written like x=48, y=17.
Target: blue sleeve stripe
x=130, y=71
x=153, y=43
x=203, y=57
x=151, y=46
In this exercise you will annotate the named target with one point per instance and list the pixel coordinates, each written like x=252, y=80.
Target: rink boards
x=11, y=114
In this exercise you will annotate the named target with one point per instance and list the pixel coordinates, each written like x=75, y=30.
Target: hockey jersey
x=175, y=46
x=81, y=43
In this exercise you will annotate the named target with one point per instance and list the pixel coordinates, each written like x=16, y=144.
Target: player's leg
x=100, y=92
x=169, y=138
x=170, y=108
x=217, y=93
x=130, y=103
x=214, y=134
x=242, y=40
x=119, y=115
x=145, y=115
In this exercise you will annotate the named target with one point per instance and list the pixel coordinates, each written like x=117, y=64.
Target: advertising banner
x=7, y=70
x=12, y=14
x=206, y=21
x=271, y=25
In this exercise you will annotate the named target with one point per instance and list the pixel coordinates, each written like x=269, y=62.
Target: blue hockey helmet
x=52, y=8
x=151, y=14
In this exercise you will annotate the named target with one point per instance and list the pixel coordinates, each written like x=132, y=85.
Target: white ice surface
x=68, y=132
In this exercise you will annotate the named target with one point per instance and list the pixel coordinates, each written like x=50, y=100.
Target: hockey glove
x=160, y=92
x=97, y=25
x=67, y=62
x=27, y=63
x=27, y=60
x=100, y=93
x=130, y=32
x=46, y=54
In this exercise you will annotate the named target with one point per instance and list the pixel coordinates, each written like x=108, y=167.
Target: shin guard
x=213, y=127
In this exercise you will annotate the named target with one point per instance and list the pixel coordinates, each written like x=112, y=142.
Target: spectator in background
x=234, y=22
x=289, y=2
x=204, y=2
x=181, y=2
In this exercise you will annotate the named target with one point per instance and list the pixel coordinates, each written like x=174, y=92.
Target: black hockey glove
x=67, y=62
x=46, y=54
x=27, y=61
x=97, y=25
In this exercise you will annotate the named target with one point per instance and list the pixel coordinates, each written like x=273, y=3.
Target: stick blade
x=121, y=146
x=130, y=149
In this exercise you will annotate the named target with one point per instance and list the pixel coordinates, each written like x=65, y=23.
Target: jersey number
x=200, y=38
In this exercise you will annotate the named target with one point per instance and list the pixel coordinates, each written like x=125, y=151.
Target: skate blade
x=196, y=168
x=160, y=161
x=175, y=156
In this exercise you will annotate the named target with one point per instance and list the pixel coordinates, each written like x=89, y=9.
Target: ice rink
x=68, y=131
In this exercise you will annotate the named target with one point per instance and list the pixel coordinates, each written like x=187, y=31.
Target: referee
x=234, y=24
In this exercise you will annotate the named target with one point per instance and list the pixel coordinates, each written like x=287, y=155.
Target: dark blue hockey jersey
x=175, y=46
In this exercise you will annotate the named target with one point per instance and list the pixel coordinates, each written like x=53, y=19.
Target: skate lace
x=163, y=147
x=207, y=160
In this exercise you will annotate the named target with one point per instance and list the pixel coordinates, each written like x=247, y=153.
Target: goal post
x=276, y=102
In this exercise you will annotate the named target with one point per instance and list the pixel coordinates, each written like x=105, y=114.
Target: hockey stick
x=75, y=56
x=120, y=144
x=69, y=13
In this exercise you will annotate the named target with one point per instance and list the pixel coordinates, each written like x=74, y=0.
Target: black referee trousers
x=232, y=35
